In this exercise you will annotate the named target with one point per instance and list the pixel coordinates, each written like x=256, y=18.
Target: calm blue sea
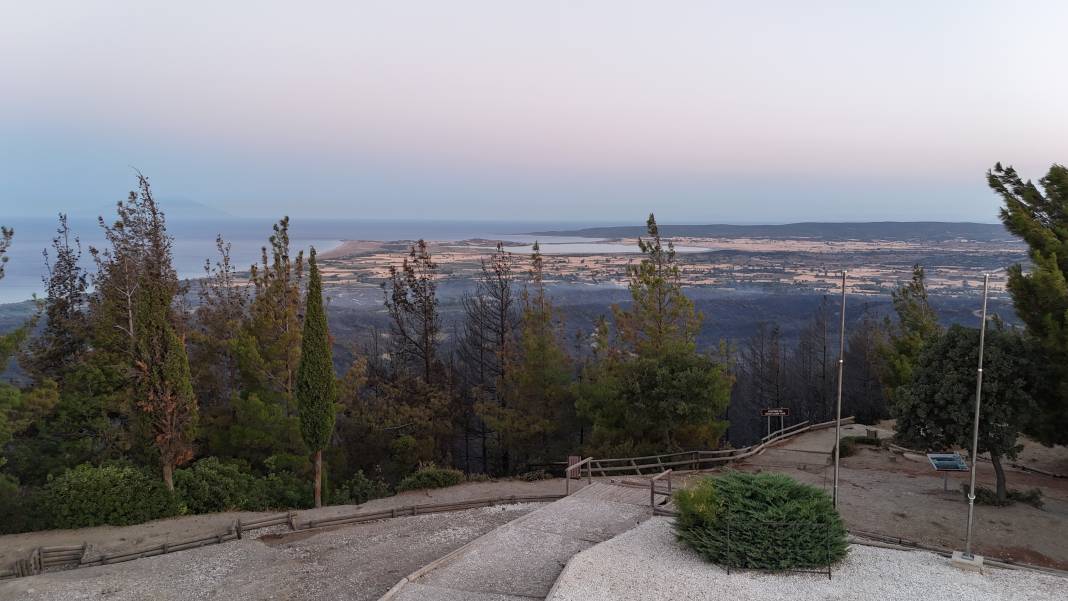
x=194, y=241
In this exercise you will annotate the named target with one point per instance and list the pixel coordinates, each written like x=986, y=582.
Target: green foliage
x=986, y=496
x=359, y=489
x=536, y=403
x=210, y=485
x=656, y=391
x=849, y=444
x=534, y=476
x=115, y=495
x=252, y=430
x=430, y=476
x=658, y=403
x=1039, y=215
x=19, y=507
x=938, y=408
x=767, y=521
x=916, y=327
x=316, y=390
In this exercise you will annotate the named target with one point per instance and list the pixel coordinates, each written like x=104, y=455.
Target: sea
x=194, y=241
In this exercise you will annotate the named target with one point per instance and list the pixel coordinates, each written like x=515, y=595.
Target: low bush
x=534, y=476
x=848, y=446
x=988, y=496
x=19, y=511
x=210, y=485
x=115, y=495
x=286, y=490
x=430, y=476
x=359, y=489
x=766, y=521
x=479, y=477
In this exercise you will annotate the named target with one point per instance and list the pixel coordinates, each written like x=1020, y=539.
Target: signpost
x=945, y=463
x=779, y=412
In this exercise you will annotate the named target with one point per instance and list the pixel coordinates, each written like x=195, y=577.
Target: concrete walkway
x=522, y=559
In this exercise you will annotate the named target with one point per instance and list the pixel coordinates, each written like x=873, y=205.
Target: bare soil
x=902, y=496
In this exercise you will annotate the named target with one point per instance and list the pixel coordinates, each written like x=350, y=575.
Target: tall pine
x=1039, y=215
x=316, y=389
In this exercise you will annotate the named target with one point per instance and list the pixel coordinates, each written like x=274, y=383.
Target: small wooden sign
x=775, y=412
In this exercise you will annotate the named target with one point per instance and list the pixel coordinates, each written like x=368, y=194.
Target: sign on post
x=779, y=412
x=947, y=462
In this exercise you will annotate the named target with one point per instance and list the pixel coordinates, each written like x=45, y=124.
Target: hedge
x=115, y=495
x=766, y=521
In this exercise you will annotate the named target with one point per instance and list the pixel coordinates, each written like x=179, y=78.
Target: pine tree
x=915, y=329
x=6, y=235
x=1039, y=215
x=218, y=320
x=656, y=392
x=536, y=398
x=411, y=299
x=316, y=387
x=268, y=345
x=660, y=314
x=65, y=334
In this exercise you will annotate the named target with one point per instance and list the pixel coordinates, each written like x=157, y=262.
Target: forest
x=148, y=396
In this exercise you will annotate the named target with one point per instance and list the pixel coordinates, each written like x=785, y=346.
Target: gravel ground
x=358, y=562
x=647, y=563
x=113, y=539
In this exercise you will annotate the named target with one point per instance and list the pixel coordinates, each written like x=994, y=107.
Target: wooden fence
x=81, y=556
x=698, y=460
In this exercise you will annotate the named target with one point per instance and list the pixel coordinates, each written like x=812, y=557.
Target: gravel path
x=358, y=562
x=648, y=564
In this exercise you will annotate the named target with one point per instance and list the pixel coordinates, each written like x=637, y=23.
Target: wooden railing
x=81, y=556
x=576, y=470
x=698, y=460
x=653, y=491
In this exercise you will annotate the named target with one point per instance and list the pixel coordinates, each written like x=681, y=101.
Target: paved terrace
x=521, y=560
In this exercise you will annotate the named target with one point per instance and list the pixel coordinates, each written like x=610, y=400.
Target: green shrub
x=116, y=495
x=210, y=485
x=988, y=496
x=19, y=511
x=767, y=521
x=479, y=477
x=430, y=476
x=359, y=489
x=286, y=490
x=848, y=446
x=534, y=476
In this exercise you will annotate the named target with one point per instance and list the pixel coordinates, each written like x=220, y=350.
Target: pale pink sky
x=700, y=110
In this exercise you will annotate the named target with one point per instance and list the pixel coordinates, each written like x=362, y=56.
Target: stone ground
x=521, y=560
x=358, y=562
x=648, y=564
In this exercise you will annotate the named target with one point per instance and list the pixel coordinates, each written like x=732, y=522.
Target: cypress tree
x=316, y=389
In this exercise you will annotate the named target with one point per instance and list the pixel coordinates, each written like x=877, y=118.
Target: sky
x=585, y=110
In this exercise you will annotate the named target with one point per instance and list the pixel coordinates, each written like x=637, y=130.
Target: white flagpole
x=838, y=411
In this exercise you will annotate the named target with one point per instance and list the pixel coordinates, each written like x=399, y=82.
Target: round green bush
x=430, y=476
x=765, y=521
x=115, y=495
x=359, y=489
x=210, y=485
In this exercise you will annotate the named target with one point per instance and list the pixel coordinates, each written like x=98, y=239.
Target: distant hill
x=876, y=230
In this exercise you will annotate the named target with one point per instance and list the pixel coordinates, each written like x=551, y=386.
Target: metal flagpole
x=975, y=427
x=838, y=411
